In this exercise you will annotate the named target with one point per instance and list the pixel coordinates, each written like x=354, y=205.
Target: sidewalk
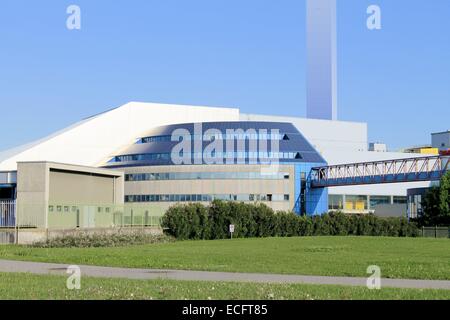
x=146, y=274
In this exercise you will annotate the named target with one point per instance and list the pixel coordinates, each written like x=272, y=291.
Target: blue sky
x=239, y=53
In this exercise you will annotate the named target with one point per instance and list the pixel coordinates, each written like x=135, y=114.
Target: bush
x=102, y=240
x=196, y=221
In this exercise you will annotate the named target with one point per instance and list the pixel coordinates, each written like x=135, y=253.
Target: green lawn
x=411, y=258
x=26, y=286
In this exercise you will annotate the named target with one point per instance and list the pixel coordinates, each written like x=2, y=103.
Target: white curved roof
x=90, y=142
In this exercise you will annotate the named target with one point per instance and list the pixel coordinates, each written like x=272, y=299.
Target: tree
x=436, y=204
x=444, y=199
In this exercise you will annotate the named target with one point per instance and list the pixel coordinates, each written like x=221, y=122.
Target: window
x=206, y=176
x=50, y=208
x=379, y=200
x=335, y=202
x=400, y=200
x=203, y=198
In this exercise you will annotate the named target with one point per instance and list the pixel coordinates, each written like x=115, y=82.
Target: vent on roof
x=285, y=137
x=298, y=156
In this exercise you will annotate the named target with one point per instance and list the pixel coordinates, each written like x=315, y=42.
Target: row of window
x=206, y=197
x=212, y=156
x=210, y=137
x=361, y=202
x=206, y=176
x=68, y=209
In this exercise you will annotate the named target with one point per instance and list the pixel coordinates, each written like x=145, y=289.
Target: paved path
x=109, y=272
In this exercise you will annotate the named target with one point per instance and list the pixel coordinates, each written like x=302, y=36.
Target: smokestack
x=322, y=60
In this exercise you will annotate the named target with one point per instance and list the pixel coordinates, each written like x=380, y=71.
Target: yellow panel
x=348, y=205
x=429, y=151
x=360, y=205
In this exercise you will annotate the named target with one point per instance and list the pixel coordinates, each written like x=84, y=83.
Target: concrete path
x=143, y=274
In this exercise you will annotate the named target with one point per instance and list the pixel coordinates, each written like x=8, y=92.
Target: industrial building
x=135, y=140
x=126, y=166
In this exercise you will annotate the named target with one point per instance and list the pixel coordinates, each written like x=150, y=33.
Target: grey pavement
x=146, y=274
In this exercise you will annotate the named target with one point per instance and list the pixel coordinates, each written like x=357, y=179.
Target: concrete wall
x=42, y=183
x=68, y=187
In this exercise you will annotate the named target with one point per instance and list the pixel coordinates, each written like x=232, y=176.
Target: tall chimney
x=322, y=60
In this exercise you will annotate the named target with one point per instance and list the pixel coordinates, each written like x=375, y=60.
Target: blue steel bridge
x=429, y=168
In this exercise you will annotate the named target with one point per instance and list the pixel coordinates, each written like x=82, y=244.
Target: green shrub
x=196, y=221
x=84, y=240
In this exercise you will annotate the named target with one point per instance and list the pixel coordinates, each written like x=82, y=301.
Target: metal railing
x=436, y=232
x=7, y=214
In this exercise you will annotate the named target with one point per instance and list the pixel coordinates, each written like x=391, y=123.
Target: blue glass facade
x=241, y=143
x=309, y=201
x=155, y=148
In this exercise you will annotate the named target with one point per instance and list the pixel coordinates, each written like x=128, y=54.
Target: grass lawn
x=54, y=287
x=409, y=258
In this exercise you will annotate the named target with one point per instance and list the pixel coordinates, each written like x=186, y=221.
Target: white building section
x=324, y=135
x=441, y=140
x=377, y=147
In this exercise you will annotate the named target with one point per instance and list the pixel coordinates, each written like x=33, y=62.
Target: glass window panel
x=399, y=200
x=379, y=200
x=336, y=202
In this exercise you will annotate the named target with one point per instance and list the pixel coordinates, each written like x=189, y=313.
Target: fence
x=7, y=214
x=102, y=216
x=71, y=216
x=32, y=219
x=436, y=232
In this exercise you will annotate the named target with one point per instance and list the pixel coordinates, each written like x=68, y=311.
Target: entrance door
x=89, y=217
